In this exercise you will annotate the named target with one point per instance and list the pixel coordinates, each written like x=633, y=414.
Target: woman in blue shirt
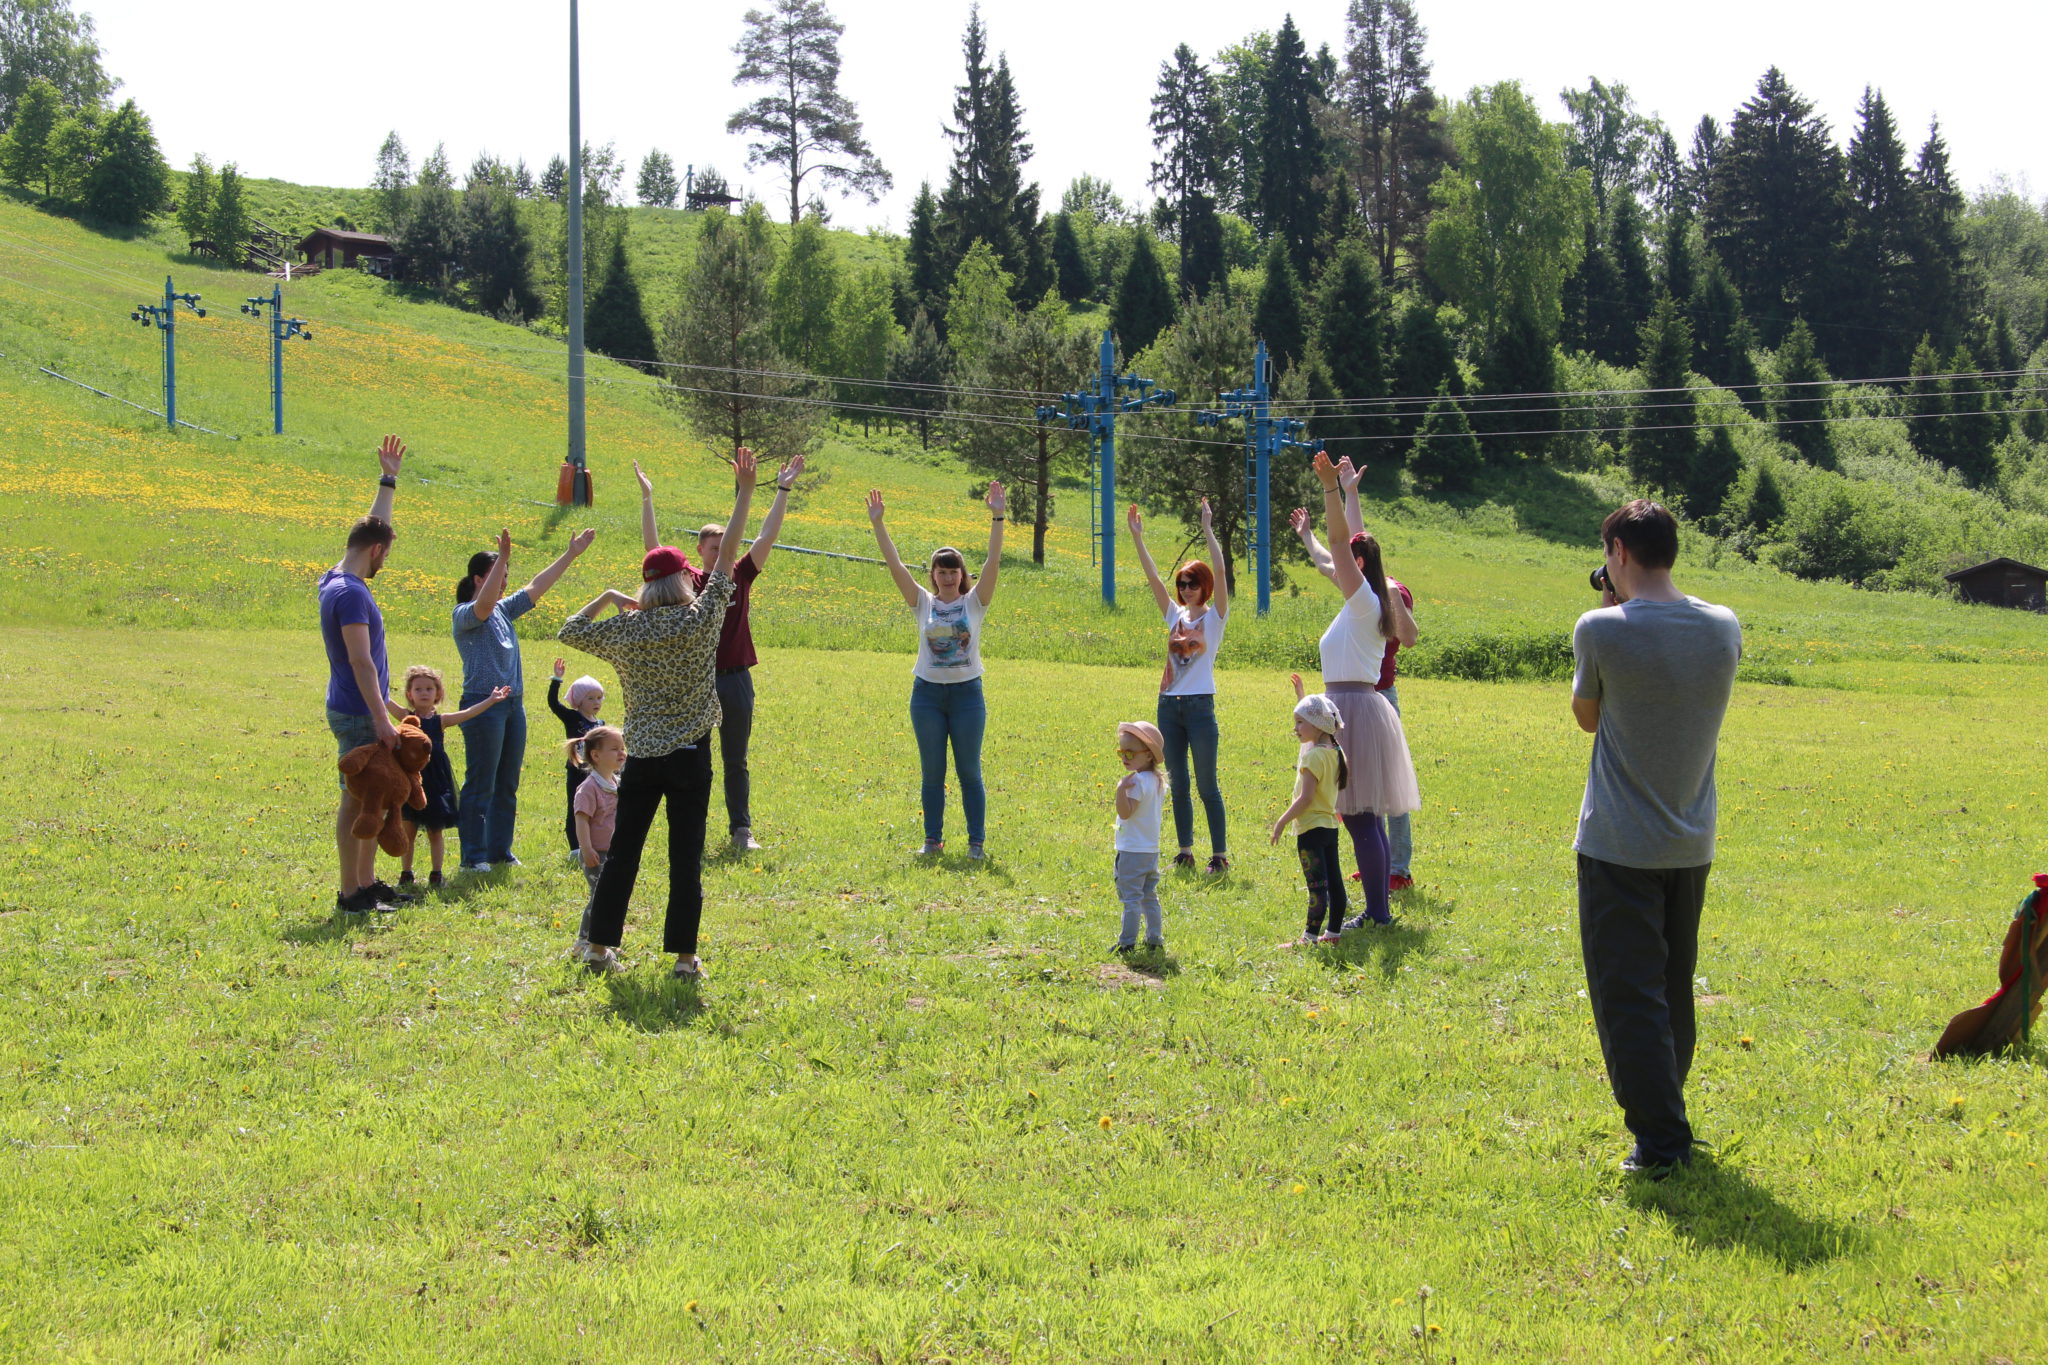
x=494, y=743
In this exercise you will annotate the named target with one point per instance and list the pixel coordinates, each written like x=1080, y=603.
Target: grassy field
x=919, y=1113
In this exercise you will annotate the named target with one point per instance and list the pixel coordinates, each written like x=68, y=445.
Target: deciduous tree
x=657, y=186
x=227, y=219
x=1041, y=352
x=25, y=148
x=195, y=205
x=392, y=183
x=128, y=181
x=42, y=40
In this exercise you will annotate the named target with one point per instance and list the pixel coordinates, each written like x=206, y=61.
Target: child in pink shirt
x=601, y=750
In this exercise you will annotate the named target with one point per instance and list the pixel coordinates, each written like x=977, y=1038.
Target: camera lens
x=1598, y=578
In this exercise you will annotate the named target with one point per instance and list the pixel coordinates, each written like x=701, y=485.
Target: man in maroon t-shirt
x=734, y=682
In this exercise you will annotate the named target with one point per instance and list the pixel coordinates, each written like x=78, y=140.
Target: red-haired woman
x=1354, y=649
x=1194, y=615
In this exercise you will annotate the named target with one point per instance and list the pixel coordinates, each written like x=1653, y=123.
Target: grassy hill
x=919, y=1114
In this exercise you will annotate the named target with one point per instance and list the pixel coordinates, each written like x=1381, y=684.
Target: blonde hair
x=426, y=671
x=670, y=590
x=574, y=749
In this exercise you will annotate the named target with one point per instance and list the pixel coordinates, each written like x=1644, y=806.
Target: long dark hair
x=1366, y=551
x=479, y=565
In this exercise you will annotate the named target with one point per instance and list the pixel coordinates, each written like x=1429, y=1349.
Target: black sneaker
x=1640, y=1163
x=389, y=894
x=406, y=880
x=434, y=880
x=351, y=905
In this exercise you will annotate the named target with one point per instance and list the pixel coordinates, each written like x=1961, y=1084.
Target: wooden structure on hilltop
x=2003, y=583
x=335, y=248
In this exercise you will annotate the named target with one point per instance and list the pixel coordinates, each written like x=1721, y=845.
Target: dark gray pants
x=735, y=728
x=1639, y=929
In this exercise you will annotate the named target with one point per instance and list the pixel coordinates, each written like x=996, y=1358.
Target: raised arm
x=1216, y=561
x=486, y=599
x=771, y=525
x=649, y=537
x=992, y=567
x=562, y=712
x=545, y=579
x=390, y=456
x=905, y=584
x=1343, y=567
x=1159, y=591
x=1304, y=527
x=1347, y=479
x=744, y=472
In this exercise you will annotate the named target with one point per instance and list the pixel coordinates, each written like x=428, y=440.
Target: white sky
x=306, y=93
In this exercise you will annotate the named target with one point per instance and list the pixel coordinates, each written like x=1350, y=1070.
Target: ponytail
x=1343, y=770
x=573, y=750
x=1366, y=550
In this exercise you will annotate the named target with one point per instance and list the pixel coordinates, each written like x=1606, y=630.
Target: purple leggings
x=1369, y=846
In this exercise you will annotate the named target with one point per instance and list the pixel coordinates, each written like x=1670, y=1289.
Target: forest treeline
x=1823, y=351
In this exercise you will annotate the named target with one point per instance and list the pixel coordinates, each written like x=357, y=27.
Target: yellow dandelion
x=1105, y=1121
x=1746, y=1041
x=1301, y=1189
x=690, y=1307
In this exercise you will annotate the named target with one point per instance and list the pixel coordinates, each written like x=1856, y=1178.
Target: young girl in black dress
x=424, y=693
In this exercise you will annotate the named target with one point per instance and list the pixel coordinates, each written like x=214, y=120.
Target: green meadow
x=919, y=1113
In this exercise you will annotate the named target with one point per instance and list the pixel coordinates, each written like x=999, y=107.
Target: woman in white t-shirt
x=1375, y=747
x=945, y=697
x=1194, y=615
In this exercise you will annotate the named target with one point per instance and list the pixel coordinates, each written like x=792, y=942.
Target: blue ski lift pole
x=282, y=329
x=1095, y=412
x=165, y=319
x=1265, y=436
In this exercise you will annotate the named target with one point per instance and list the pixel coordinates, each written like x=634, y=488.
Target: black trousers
x=684, y=779
x=576, y=776
x=1323, y=871
x=735, y=731
x=1639, y=929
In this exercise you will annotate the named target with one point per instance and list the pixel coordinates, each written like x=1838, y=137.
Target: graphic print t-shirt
x=948, y=637
x=1191, y=643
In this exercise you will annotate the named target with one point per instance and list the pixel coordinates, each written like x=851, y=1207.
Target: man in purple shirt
x=359, y=679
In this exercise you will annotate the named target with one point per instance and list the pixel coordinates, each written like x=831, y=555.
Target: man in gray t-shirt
x=1654, y=669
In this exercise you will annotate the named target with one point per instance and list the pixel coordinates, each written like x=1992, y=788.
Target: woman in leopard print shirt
x=662, y=643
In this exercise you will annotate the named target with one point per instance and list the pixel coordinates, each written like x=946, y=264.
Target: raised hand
x=505, y=546
x=1298, y=519
x=1326, y=473
x=391, y=455
x=561, y=667
x=646, y=484
x=1347, y=476
x=1208, y=518
x=997, y=503
x=580, y=542
x=745, y=468
x=1134, y=520
x=791, y=471
x=1295, y=678
x=875, y=506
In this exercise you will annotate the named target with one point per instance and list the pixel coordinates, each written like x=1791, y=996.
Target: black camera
x=1598, y=578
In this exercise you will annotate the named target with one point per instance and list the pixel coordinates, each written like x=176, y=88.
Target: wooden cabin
x=329, y=248
x=2003, y=583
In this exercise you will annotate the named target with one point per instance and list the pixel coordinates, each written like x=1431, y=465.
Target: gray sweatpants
x=590, y=874
x=1137, y=886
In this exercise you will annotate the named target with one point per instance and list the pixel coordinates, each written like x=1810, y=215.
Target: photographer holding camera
x=1654, y=670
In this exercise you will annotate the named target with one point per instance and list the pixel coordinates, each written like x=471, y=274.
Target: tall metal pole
x=170, y=358
x=1106, y=425
x=580, y=493
x=276, y=360
x=1264, y=525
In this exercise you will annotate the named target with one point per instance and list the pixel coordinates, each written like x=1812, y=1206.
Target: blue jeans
x=1188, y=725
x=493, y=748
x=939, y=711
x=1400, y=836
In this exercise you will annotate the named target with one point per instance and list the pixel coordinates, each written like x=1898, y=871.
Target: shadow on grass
x=659, y=1005
x=1385, y=946
x=333, y=929
x=1714, y=1206
x=1156, y=963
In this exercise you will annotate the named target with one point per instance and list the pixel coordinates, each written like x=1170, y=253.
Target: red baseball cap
x=662, y=561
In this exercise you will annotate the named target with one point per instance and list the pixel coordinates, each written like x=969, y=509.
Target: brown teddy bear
x=383, y=780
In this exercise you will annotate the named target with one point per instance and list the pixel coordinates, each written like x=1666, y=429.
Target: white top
x=949, y=637
x=1140, y=832
x=1353, y=648
x=1191, y=643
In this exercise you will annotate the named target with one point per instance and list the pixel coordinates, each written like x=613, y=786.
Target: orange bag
x=2007, y=1016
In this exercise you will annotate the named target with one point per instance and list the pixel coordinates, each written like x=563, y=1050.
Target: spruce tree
x=430, y=236
x=1202, y=263
x=1715, y=467
x=128, y=182
x=1662, y=436
x=1291, y=152
x=615, y=323
x=1071, y=275
x=1766, y=505
x=1800, y=399
x=1973, y=435
x=926, y=258
x=1927, y=408
x=1608, y=332
x=25, y=148
x=392, y=184
x=554, y=181
x=1874, y=293
x=917, y=370
x=1715, y=312
x=1939, y=290
x=1637, y=283
x=1744, y=378
x=1424, y=361
x=1185, y=132
x=1144, y=300
x=985, y=198
x=657, y=186
x=1350, y=333
x=227, y=222
x=1446, y=455
x=195, y=205
x=1676, y=266
x=496, y=256
x=1278, y=316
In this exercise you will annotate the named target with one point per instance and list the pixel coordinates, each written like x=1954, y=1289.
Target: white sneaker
x=743, y=841
x=478, y=868
x=602, y=960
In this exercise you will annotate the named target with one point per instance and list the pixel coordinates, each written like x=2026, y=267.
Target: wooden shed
x=2003, y=583
x=332, y=247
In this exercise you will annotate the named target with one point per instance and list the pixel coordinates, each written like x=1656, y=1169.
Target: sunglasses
x=1187, y=582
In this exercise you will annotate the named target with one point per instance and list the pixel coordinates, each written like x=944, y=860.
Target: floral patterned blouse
x=664, y=661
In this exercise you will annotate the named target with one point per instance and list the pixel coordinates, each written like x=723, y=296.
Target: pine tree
x=227, y=224
x=1278, y=316
x=1446, y=455
x=1291, y=151
x=615, y=322
x=195, y=205
x=496, y=256
x=1800, y=400
x=1662, y=439
x=1775, y=207
x=1927, y=405
x=1144, y=300
x=803, y=126
x=128, y=182
x=1038, y=351
x=554, y=181
x=657, y=186
x=916, y=371
x=1875, y=288
x=804, y=297
x=1392, y=110
x=1424, y=361
x=1350, y=333
x=719, y=333
x=392, y=183
x=25, y=148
